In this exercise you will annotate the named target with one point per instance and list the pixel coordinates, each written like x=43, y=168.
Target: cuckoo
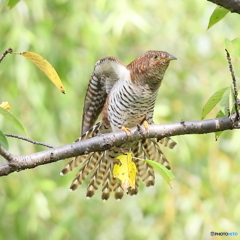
x=125, y=96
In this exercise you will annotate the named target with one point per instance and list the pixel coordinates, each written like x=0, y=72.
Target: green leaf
x=164, y=172
x=227, y=102
x=13, y=120
x=219, y=114
x=3, y=141
x=212, y=102
x=12, y=3
x=224, y=102
x=231, y=101
x=218, y=14
x=233, y=48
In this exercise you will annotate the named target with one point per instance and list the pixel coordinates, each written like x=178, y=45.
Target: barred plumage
x=126, y=97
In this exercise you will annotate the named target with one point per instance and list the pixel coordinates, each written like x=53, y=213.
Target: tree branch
x=106, y=141
x=231, y=5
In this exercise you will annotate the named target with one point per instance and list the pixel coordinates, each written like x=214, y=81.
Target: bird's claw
x=146, y=125
x=127, y=130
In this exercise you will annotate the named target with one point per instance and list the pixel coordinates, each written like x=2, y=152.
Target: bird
x=125, y=97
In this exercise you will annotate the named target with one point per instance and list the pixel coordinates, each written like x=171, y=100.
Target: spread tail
x=101, y=165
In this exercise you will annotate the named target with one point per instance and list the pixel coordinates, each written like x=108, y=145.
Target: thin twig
x=28, y=140
x=9, y=50
x=235, y=91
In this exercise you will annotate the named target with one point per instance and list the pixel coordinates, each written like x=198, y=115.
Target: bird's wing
x=106, y=72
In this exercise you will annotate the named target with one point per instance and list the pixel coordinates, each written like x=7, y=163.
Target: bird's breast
x=128, y=105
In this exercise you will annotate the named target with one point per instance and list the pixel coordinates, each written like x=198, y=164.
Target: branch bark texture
x=231, y=5
x=106, y=141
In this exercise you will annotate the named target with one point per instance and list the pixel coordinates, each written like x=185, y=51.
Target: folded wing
x=106, y=72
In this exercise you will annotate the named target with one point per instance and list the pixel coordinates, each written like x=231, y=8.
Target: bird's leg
x=127, y=130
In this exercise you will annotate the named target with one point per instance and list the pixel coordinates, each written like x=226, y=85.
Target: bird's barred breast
x=129, y=105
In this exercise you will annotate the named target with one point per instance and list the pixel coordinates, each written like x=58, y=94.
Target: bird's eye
x=155, y=56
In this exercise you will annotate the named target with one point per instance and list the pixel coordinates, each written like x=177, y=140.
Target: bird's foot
x=146, y=125
x=127, y=130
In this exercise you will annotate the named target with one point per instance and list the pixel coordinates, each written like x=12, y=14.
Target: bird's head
x=150, y=67
x=157, y=60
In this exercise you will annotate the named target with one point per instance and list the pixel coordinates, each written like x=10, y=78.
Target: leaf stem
x=9, y=50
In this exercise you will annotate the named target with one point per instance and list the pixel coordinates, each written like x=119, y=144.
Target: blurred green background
x=73, y=35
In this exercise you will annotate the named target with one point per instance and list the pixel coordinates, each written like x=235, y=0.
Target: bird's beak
x=170, y=58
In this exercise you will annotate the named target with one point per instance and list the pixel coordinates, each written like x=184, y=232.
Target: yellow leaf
x=45, y=66
x=126, y=172
x=5, y=105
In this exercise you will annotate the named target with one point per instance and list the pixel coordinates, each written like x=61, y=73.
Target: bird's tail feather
x=101, y=165
x=97, y=176
x=74, y=162
x=167, y=142
x=85, y=169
